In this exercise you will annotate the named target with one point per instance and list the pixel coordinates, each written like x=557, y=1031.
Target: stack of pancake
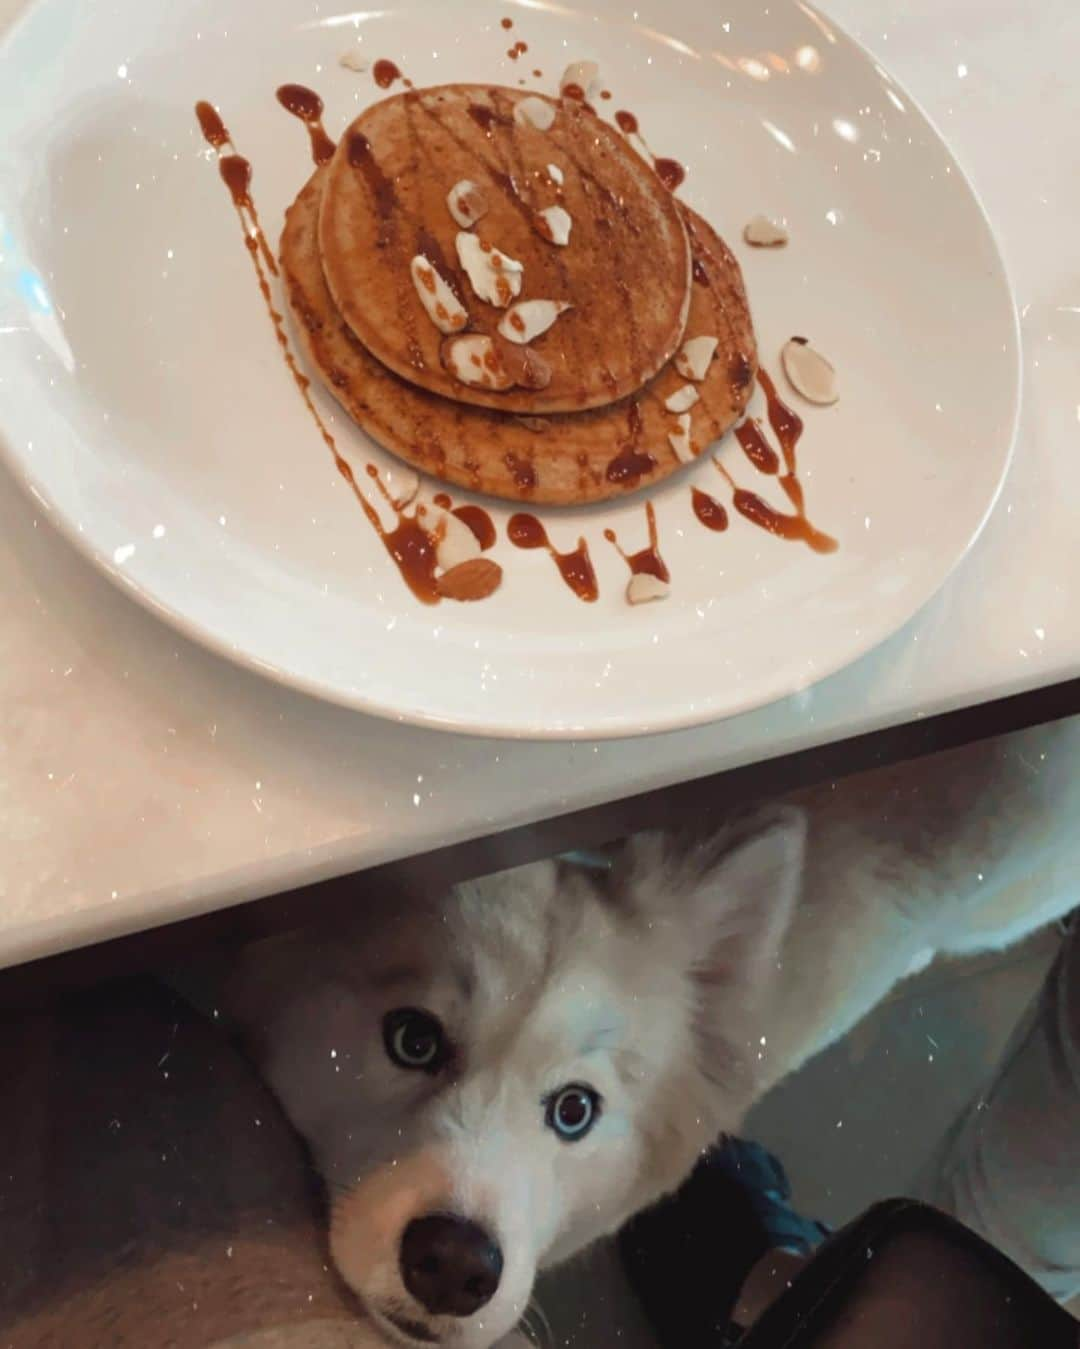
x=501, y=291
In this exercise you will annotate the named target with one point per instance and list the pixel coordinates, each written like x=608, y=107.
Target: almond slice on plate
x=454, y=541
x=473, y=580
x=643, y=587
x=809, y=372
x=581, y=79
x=762, y=232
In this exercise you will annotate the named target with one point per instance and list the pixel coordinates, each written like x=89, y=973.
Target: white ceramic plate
x=145, y=404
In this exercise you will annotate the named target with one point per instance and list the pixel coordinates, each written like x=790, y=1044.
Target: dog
x=491, y=1079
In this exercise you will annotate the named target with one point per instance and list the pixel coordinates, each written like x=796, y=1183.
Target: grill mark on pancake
x=387, y=210
x=426, y=243
x=618, y=208
x=527, y=207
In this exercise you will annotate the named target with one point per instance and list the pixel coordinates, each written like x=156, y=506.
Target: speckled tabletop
x=143, y=779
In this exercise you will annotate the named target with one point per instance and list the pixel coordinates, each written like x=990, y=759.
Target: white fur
x=541, y=981
x=695, y=978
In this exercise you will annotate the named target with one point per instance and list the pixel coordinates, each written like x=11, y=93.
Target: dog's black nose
x=450, y=1265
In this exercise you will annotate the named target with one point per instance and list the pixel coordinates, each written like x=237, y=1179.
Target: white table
x=143, y=780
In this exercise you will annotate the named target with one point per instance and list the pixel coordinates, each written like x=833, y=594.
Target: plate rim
x=764, y=693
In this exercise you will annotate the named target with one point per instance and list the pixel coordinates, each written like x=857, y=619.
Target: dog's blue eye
x=414, y=1039
x=572, y=1111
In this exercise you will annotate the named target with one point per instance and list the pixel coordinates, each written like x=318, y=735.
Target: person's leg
x=151, y=1191
x=1010, y=1166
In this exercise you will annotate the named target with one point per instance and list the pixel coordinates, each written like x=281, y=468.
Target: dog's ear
x=732, y=891
x=724, y=904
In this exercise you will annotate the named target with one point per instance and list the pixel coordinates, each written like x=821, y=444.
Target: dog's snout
x=450, y=1265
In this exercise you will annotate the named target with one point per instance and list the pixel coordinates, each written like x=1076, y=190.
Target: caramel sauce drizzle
x=647, y=561
x=409, y=544
x=308, y=106
x=632, y=462
x=521, y=470
x=235, y=173
x=708, y=510
x=757, y=449
x=670, y=172
x=576, y=568
x=787, y=426
x=385, y=72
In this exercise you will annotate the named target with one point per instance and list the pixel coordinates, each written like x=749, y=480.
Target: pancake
x=625, y=268
x=563, y=459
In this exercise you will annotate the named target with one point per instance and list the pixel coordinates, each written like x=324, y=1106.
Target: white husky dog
x=491, y=1079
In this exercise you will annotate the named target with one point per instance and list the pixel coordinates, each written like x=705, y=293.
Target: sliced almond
x=473, y=580
x=467, y=203
x=525, y=367
x=402, y=484
x=809, y=372
x=494, y=277
x=473, y=359
x=443, y=307
x=680, y=440
x=644, y=587
x=352, y=60
x=695, y=357
x=555, y=174
x=764, y=233
x=529, y=318
x=454, y=540
x=583, y=75
x=534, y=111
x=553, y=224
x=682, y=400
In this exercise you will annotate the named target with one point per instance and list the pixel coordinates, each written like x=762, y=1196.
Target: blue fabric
x=766, y=1184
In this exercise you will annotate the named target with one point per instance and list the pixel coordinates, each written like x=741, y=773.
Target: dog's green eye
x=414, y=1039
x=572, y=1111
